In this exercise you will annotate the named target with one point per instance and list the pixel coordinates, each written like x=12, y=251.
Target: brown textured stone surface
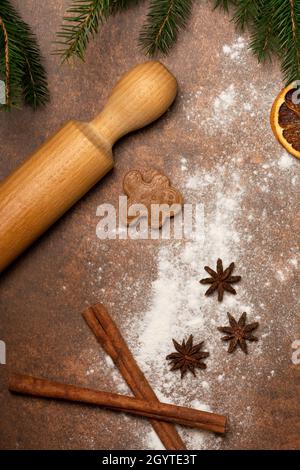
x=44, y=291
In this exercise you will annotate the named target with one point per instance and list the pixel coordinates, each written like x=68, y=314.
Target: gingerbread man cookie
x=152, y=191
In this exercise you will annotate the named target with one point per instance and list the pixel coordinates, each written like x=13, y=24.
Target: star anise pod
x=220, y=280
x=238, y=333
x=188, y=356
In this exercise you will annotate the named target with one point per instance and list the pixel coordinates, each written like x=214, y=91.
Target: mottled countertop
x=217, y=147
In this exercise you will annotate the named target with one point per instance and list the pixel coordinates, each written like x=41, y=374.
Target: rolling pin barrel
x=60, y=172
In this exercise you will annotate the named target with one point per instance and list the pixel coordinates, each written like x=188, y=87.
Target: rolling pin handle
x=140, y=97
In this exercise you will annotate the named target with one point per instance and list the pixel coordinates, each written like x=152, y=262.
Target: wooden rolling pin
x=57, y=175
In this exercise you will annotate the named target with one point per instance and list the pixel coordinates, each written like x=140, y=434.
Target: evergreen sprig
x=224, y=4
x=287, y=20
x=274, y=26
x=263, y=41
x=82, y=22
x=21, y=67
x=164, y=20
x=245, y=12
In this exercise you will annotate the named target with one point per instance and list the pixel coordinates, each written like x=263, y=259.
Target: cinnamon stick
x=110, y=338
x=40, y=387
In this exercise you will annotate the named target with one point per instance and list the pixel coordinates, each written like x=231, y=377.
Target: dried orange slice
x=285, y=119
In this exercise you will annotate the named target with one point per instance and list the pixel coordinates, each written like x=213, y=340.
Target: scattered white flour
x=280, y=276
x=183, y=162
x=152, y=441
x=231, y=110
x=175, y=307
x=294, y=262
x=286, y=161
x=205, y=385
x=235, y=51
x=109, y=361
x=198, y=405
x=176, y=291
x=237, y=102
x=246, y=195
x=224, y=101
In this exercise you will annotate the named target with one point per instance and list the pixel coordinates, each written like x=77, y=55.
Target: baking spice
x=110, y=338
x=39, y=387
x=220, y=280
x=188, y=356
x=238, y=333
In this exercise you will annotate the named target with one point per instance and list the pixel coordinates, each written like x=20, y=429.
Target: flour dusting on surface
x=177, y=305
x=286, y=161
x=236, y=50
x=237, y=104
x=244, y=183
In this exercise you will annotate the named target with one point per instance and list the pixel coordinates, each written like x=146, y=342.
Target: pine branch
x=34, y=80
x=275, y=30
x=245, y=13
x=35, y=88
x=27, y=76
x=14, y=90
x=82, y=23
x=119, y=5
x=224, y=4
x=164, y=20
x=263, y=41
x=274, y=26
x=287, y=21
